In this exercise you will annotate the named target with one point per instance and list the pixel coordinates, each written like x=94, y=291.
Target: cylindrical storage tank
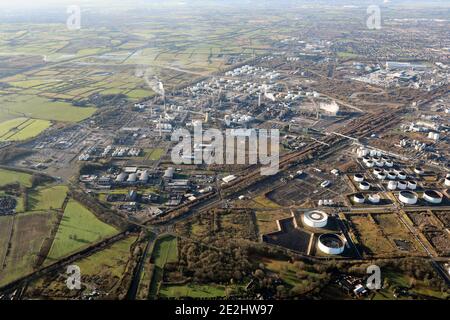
x=373, y=153
x=377, y=171
x=375, y=198
x=381, y=176
x=121, y=177
x=369, y=164
x=402, y=185
x=384, y=158
x=391, y=175
x=365, y=159
x=389, y=164
x=358, y=177
x=132, y=177
x=402, y=175
x=331, y=243
x=418, y=170
x=433, y=197
x=408, y=197
x=376, y=159
x=315, y=219
x=447, y=181
x=359, y=198
x=392, y=185
x=379, y=163
x=412, y=185
x=364, y=185
x=144, y=176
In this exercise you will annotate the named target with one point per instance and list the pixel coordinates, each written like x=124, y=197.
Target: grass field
x=5, y=229
x=111, y=261
x=266, y=220
x=109, y=264
x=79, y=228
x=42, y=108
x=31, y=129
x=154, y=154
x=30, y=230
x=287, y=271
x=192, y=291
x=393, y=229
x=47, y=198
x=263, y=202
x=9, y=176
x=371, y=240
x=398, y=279
x=165, y=250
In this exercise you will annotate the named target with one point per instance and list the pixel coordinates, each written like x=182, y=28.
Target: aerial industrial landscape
x=257, y=150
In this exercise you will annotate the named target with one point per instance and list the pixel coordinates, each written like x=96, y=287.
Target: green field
x=111, y=261
x=41, y=108
x=9, y=176
x=155, y=154
x=22, y=128
x=47, y=198
x=5, y=229
x=79, y=228
x=166, y=250
x=192, y=291
x=398, y=279
x=30, y=231
x=110, y=264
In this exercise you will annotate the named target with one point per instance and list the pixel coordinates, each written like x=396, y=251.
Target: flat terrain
x=164, y=251
x=79, y=228
x=44, y=198
x=102, y=270
x=30, y=230
x=192, y=291
x=22, y=129
x=9, y=176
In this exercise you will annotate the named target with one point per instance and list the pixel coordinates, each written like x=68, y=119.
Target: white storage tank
x=402, y=175
x=374, y=198
x=389, y=163
x=377, y=171
x=315, y=219
x=392, y=185
x=447, y=180
x=359, y=198
x=408, y=197
x=331, y=243
x=402, y=185
x=364, y=185
x=358, y=177
x=121, y=177
x=412, y=185
x=369, y=164
x=418, y=170
x=132, y=177
x=381, y=176
x=433, y=197
x=391, y=175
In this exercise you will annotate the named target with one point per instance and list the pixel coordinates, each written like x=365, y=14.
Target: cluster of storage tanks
x=329, y=243
x=430, y=196
x=364, y=185
x=141, y=176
